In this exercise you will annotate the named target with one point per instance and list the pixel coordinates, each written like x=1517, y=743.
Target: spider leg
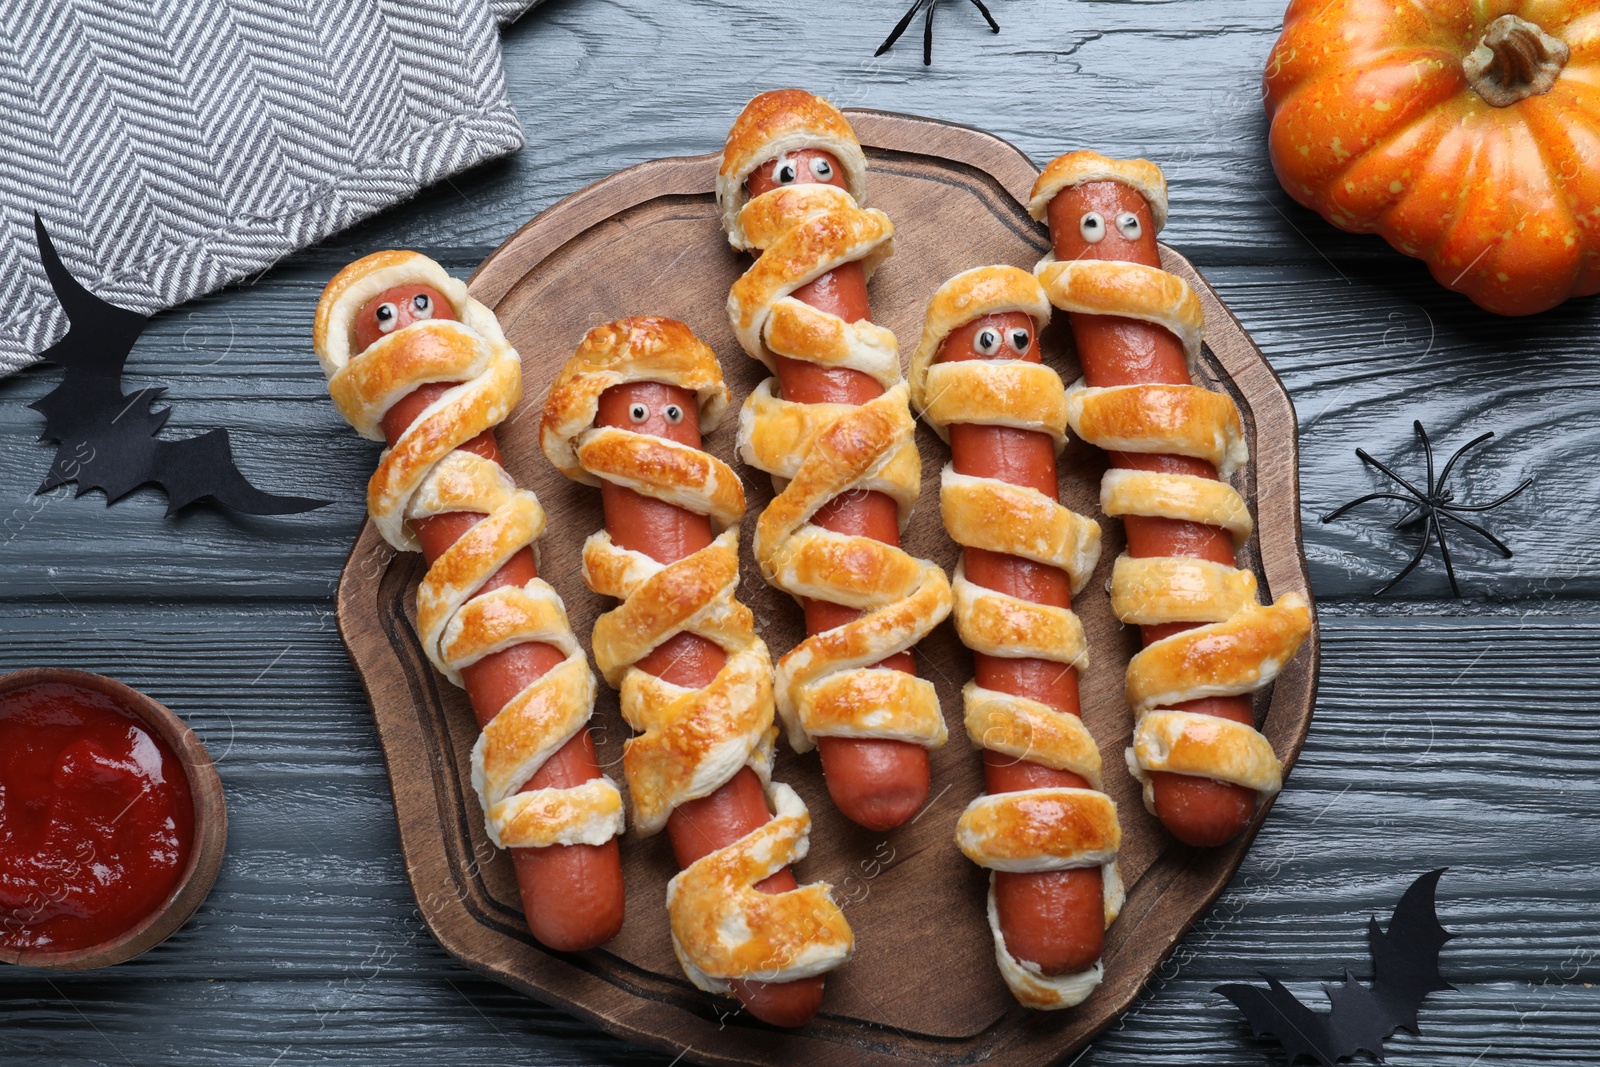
x=993, y=25
x=1367, y=458
x=1475, y=528
x=927, y=34
x=900, y=27
x=1492, y=503
x=1427, y=451
x=1330, y=516
x=1478, y=440
x=1444, y=551
x=1427, y=533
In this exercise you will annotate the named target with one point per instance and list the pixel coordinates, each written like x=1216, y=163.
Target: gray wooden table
x=1448, y=733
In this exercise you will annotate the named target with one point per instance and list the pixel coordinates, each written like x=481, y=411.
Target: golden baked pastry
x=424, y=474
x=690, y=742
x=1047, y=829
x=1241, y=644
x=827, y=685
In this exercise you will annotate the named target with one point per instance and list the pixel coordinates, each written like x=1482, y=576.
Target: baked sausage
x=626, y=413
x=1055, y=919
x=585, y=879
x=572, y=892
x=1044, y=829
x=1109, y=211
x=666, y=533
x=877, y=777
x=1116, y=351
x=876, y=782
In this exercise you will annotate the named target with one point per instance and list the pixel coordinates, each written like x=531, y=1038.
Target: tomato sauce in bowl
x=100, y=824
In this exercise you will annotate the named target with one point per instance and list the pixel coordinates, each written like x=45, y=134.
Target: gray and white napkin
x=173, y=146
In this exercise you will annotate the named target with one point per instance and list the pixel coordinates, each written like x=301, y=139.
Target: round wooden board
x=923, y=985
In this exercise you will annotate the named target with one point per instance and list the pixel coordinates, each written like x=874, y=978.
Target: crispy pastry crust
x=828, y=684
x=1241, y=644
x=1036, y=829
x=423, y=475
x=690, y=742
x=722, y=926
x=775, y=123
x=1177, y=496
x=1128, y=290
x=972, y=295
x=1078, y=168
x=646, y=349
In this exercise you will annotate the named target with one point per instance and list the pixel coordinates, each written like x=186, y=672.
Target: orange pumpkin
x=1466, y=133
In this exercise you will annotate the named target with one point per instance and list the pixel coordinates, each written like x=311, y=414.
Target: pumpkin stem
x=1514, y=60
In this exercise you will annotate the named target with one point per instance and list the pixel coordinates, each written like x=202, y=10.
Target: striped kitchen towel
x=173, y=146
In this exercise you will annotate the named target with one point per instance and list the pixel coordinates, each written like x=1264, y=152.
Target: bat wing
x=101, y=334
x=1405, y=961
x=107, y=440
x=1406, y=969
x=91, y=354
x=1278, y=1012
x=1358, y=1020
x=203, y=467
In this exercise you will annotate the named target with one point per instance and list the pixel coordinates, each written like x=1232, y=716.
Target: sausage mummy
x=1208, y=642
x=1046, y=830
x=699, y=730
x=833, y=429
x=411, y=359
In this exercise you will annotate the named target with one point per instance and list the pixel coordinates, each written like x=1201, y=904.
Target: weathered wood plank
x=1177, y=82
x=312, y=928
x=364, y=1017
x=369, y=1018
x=1361, y=359
x=1461, y=741
x=1506, y=1024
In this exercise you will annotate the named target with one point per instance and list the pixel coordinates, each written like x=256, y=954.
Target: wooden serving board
x=923, y=986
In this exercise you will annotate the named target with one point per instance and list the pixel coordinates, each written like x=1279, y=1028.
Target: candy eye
x=1092, y=226
x=673, y=414
x=388, y=317
x=785, y=172
x=1128, y=226
x=987, y=341
x=638, y=412
x=821, y=168
x=1020, y=340
x=421, y=306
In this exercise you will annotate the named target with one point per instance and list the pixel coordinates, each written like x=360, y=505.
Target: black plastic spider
x=1429, y=507
x=927, y=27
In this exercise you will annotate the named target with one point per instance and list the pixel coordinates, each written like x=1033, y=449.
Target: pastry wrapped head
x=784, y=120
x=1078, y=168
x=640, y=349
x=972, y=294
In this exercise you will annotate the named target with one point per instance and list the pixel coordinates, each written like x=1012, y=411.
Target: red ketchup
x=96, y=820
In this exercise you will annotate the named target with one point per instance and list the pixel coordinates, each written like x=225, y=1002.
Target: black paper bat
x=1405, y=965
x=106, y=440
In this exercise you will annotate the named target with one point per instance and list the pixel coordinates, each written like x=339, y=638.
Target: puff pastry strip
x=1240, y=645
x=423, y=475
x=690, y=742
x=1041, y=829
x=827, y=685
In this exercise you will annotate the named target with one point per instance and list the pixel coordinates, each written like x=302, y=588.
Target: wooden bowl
x=210, y=826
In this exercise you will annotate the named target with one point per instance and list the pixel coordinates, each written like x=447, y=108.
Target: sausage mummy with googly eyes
x=833, y=428
x=414, y=361
x=1045, y=830
x=626, y=414
x=1208, y=642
